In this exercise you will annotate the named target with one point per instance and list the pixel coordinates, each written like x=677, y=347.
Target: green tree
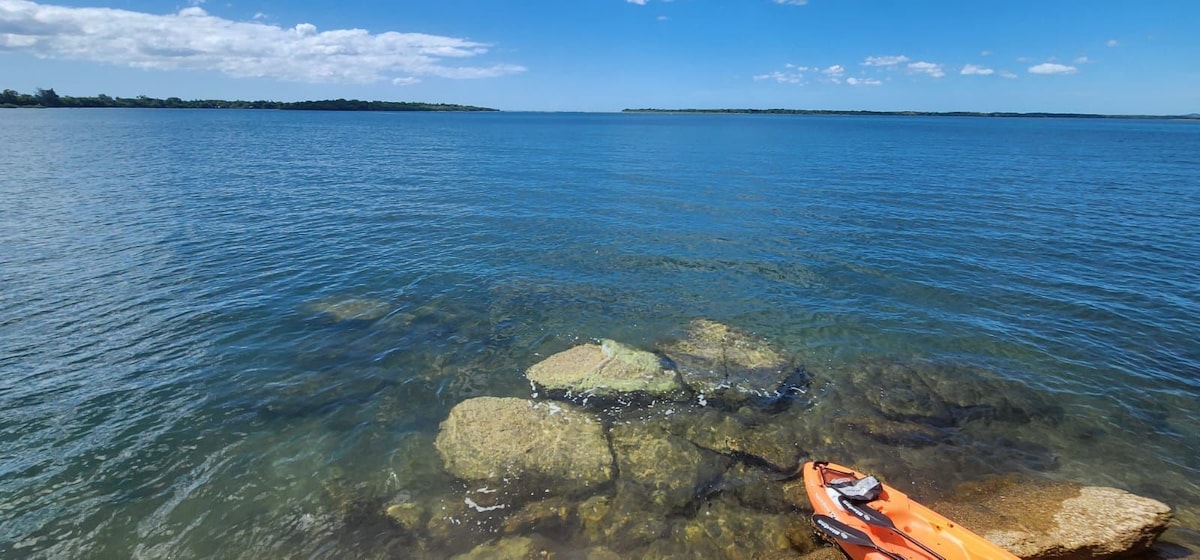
x=48, y=98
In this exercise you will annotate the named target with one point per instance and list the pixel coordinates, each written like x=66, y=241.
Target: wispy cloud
x=792, y=2
x=884, y=60
x=974, y=70
x=1112, y=43
x=834, y=74
x=193, y=39
x=928, y=68
x=985, y=52
x=791, y=75
x=1052, y=68
x=1007, y=74
x=1082, y=60
x=638, y=2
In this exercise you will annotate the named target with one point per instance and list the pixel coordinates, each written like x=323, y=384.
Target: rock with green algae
x=725, y=531
x=620, y=522
x=756, y=437
x=719, y=361
x=510, y=548
x=1043, y=520
x=606, y=369
x=553, y=515
x=407, y=515
x=824, y=553
x=502, y=440
x=669, y=468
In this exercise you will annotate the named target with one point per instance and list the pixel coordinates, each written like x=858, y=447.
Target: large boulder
x=1039, y=520
x=719, y=361
x=504, y=439
x=605, y=369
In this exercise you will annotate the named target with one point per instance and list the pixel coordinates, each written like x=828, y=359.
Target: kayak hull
x=942, y=537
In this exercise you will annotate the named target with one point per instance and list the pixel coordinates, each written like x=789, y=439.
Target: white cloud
x=662, y=18
x=793, y=77
x=863, y=81
x=792, y=2
x=259, y=15
x=406, y=81
x=834, y=71
x=884, y=60
x=193, y=40
x=973, y=70
x=638, y=2
x=928, y=68
x=985, y=52
x=1082, y=60
x=1007, y=74
x=1111, y=43
x=1052, y=68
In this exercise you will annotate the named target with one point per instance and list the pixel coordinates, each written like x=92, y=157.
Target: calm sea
x=217, y=328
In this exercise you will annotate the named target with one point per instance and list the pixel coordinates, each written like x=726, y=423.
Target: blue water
x=173, y=382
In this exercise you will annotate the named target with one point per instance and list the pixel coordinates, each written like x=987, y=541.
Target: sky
x=1094, y=56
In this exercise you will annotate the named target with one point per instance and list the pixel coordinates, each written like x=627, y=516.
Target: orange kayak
x=872, y=521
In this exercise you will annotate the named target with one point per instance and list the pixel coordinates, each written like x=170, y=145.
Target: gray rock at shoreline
x=719, y=361
x=498, y=439
x=606, y=369
x=1040, y=520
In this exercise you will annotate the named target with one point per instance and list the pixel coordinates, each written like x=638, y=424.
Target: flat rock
x=1039, y=520
x=498, y=439
x=719, y=361
x=605, y=369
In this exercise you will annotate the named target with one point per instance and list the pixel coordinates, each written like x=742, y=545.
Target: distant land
x=48, y=98
x=1192, y=116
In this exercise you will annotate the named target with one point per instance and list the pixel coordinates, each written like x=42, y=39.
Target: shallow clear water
x=179, y=378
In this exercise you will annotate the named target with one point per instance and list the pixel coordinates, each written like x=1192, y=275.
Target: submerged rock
x=510, y=548
x=352, y=309
x=1039, y=520
x=719, y=361
x=507, y=439
x=620, y=522
x=754, y=439
x=605, y=369
x=669, y=468
x=723, y=530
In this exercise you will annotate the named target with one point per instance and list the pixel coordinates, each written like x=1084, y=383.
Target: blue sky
x=604, y=55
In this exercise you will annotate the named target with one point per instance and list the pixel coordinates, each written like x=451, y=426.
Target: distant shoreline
x=47, y=98
x=1189, y=117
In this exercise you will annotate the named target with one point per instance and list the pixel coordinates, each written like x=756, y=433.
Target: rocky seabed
x=691, y=450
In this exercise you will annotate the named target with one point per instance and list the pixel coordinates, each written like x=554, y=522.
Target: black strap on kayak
x=855, y=491
x=845, y=534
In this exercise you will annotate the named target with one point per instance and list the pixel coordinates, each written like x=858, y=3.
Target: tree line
x=48, y=98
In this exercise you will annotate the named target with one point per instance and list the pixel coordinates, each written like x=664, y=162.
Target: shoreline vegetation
x=45, y=98
x=1190, y=116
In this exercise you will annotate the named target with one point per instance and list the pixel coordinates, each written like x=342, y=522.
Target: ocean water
x=234, y=333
